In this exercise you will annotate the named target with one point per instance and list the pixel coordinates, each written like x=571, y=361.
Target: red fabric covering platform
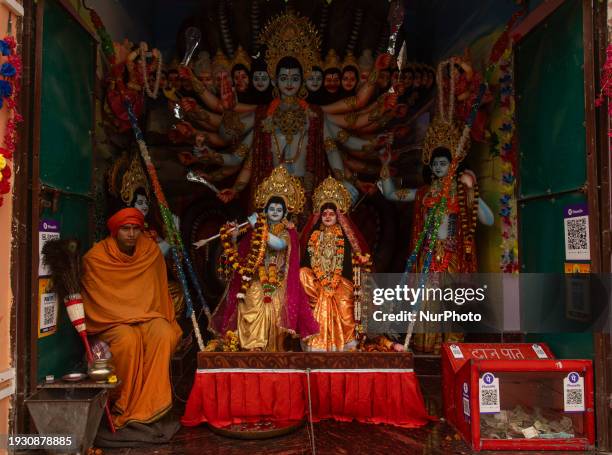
x=238, y=387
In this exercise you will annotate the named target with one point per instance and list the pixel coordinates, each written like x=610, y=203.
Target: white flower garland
x=143, y=68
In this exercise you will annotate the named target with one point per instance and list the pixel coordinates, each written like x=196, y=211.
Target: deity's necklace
x=289, y=122
x=143, y=69
x=279, y=153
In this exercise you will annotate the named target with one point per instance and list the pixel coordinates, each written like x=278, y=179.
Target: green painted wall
x=66, y=155
x=552, y=163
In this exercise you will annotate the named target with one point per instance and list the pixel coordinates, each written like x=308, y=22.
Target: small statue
x=264, y=301
x=334, y=254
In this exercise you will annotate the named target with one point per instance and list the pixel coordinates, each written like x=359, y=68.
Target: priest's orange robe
x=128, y=305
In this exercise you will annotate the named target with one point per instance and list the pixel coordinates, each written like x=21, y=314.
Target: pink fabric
x=297, y=315
x=226, y=398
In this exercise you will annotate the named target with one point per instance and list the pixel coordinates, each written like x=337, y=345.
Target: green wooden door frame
x=598, y=189
x=49, y=187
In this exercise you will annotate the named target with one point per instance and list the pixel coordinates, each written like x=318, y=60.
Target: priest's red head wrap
x=123, y=217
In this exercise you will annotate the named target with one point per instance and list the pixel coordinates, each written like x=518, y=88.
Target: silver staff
x=193, y=177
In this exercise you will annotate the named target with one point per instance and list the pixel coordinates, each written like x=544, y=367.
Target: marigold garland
x=10, y=85
x=329, y=279
x=245, y=266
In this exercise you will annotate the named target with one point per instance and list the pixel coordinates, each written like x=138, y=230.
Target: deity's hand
x=401, y=110
x=185, y=72
x=390, y=101
x=200, y=243
x=366, y=187
x=398, y=347
x=227, y=195
x=233, y=227
x=228, y=97
x=289, y=225
x=468, y=178
x=122, y=50
x=187, y=158
x=383, y=140
x=252, y=218
x=383, y=61
x=188, y=104
x=400, y=131
x=181, y=132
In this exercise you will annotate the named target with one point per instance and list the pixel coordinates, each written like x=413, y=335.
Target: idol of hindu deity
x=467, y=84
x=350, y=75
x=264, y=300
x=241, y=71
x=332, y=76
x=289, y=131
x=446, y=209
x=203, y=70
x=333, y=255
x=314, y=85
x=130, y=75
x=262, y=85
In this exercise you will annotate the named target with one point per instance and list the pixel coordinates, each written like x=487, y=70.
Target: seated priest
x=127, y=305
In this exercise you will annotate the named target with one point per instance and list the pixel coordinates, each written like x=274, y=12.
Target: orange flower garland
x=246, y=267
x=329, y=280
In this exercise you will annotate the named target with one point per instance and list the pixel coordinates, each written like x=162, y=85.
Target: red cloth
x=228, y=397
x=123, y=217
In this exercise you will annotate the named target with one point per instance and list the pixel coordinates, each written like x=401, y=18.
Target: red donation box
x=517, y=396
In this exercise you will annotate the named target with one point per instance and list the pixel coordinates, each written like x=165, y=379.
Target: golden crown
x=280, y=183
x=220, y=62
x=242, y=58
x=291, y=35
x=133, y=179
x=331, y=60
x=443, y=134
x=350, y=59
x=331, y=190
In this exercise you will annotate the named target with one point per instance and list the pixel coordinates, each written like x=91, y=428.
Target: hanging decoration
x=10, y=85
x=504, y=144
x=106, y=43
x=179, y=253
x=505, y=147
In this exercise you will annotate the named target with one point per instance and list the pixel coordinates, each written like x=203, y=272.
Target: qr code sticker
x=574, y=397
x=49, y=316
x=577, y=231
x=488, y=397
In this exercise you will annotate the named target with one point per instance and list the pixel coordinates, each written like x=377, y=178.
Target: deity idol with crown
x=288, y=132
x=446, y=208
x=333, y=256
x=264, y=300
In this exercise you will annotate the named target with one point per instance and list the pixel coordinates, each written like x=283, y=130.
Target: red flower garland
x=10, y=135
